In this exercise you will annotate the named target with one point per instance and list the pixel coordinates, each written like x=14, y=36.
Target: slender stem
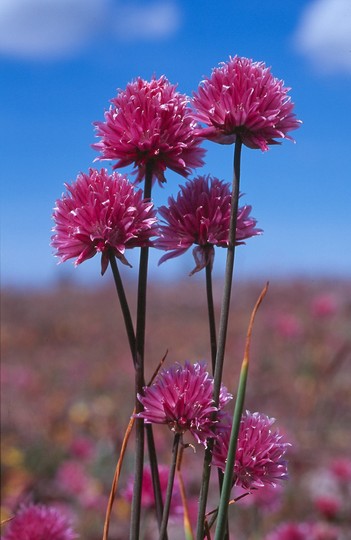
x=154, y=473
x=223, y=326
x=139, y=376
x=206, y=473
x=163, y=530
x=239, y=405
x=211, y=315
x=213, y=340
x=228, y=279
x=124, y=304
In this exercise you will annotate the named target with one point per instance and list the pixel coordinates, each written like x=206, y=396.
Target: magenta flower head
x=201, y=215
x=243, y=98
x=39, y=522
x=181, y=397
x=150, y=123
x=259, y=455
x=101, y=213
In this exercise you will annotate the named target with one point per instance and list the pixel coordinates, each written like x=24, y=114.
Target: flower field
x=67, y=379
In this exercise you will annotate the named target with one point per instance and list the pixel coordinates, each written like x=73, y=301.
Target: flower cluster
x=101, y=213
x=243, y=98
x=182, y=398
x=39, y=522
x=150, y=123
x=260, y=452
x=201, y=215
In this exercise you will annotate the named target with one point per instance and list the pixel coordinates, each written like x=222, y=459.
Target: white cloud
x=47, y=28
x=152, y=21
x=51, y=29
x=324, y=35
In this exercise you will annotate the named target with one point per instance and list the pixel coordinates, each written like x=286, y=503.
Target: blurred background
x=66, y=369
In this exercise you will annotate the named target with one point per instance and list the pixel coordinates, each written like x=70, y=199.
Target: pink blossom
x=201, y=215
x=147, y=497
x=181, y=397
x=150, y=123
x=288, y=325
x=324, y=305
x=39, y=522
x=259, y=455
x=101, y=213
x=243, y=98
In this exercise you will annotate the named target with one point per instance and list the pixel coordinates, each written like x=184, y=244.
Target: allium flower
x=259, y=455
x=181, y=397
x=101, y=213
x=39, y=522
x=243, y=98
x=150, y=122
x=201, y=215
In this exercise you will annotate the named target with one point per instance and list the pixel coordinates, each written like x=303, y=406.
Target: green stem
x=124, y=304
x=228, y=278
x=228, y=475
x=163, y=529
x=139, y=376
x=238, y=410
x=154, y=474
x=223, y=326
x=211, y=315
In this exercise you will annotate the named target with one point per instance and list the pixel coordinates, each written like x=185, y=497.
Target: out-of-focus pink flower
x=181, y=397
x=101, y=213
x=39, y=522
x=74, y=480
x=243, y=98
x=147, y=497
x=150, y=123
x=82, y=448
x=341, y=469
x=328, y=505
x=304, y=531
x=324, y=305
x=288, y=325
x=260, y=452
x=201, y=215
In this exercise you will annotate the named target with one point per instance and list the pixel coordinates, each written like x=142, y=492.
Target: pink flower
x=324, y=305
x=259, y=455
x=150, y=122
x=288, y=325
x=243, y=98
x=101, y=213
x=38, y=522
x=201, y=215
x=181, y=397
x=147, y=497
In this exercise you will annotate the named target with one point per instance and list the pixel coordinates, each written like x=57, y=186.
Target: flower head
x=259, y=455
x=101, y=213
x=39, y=522
x=201, y=215
x=150, y=123
x=181, y=397
x=243, y=98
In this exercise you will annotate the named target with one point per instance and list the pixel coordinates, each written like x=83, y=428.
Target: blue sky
x=61, y=62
